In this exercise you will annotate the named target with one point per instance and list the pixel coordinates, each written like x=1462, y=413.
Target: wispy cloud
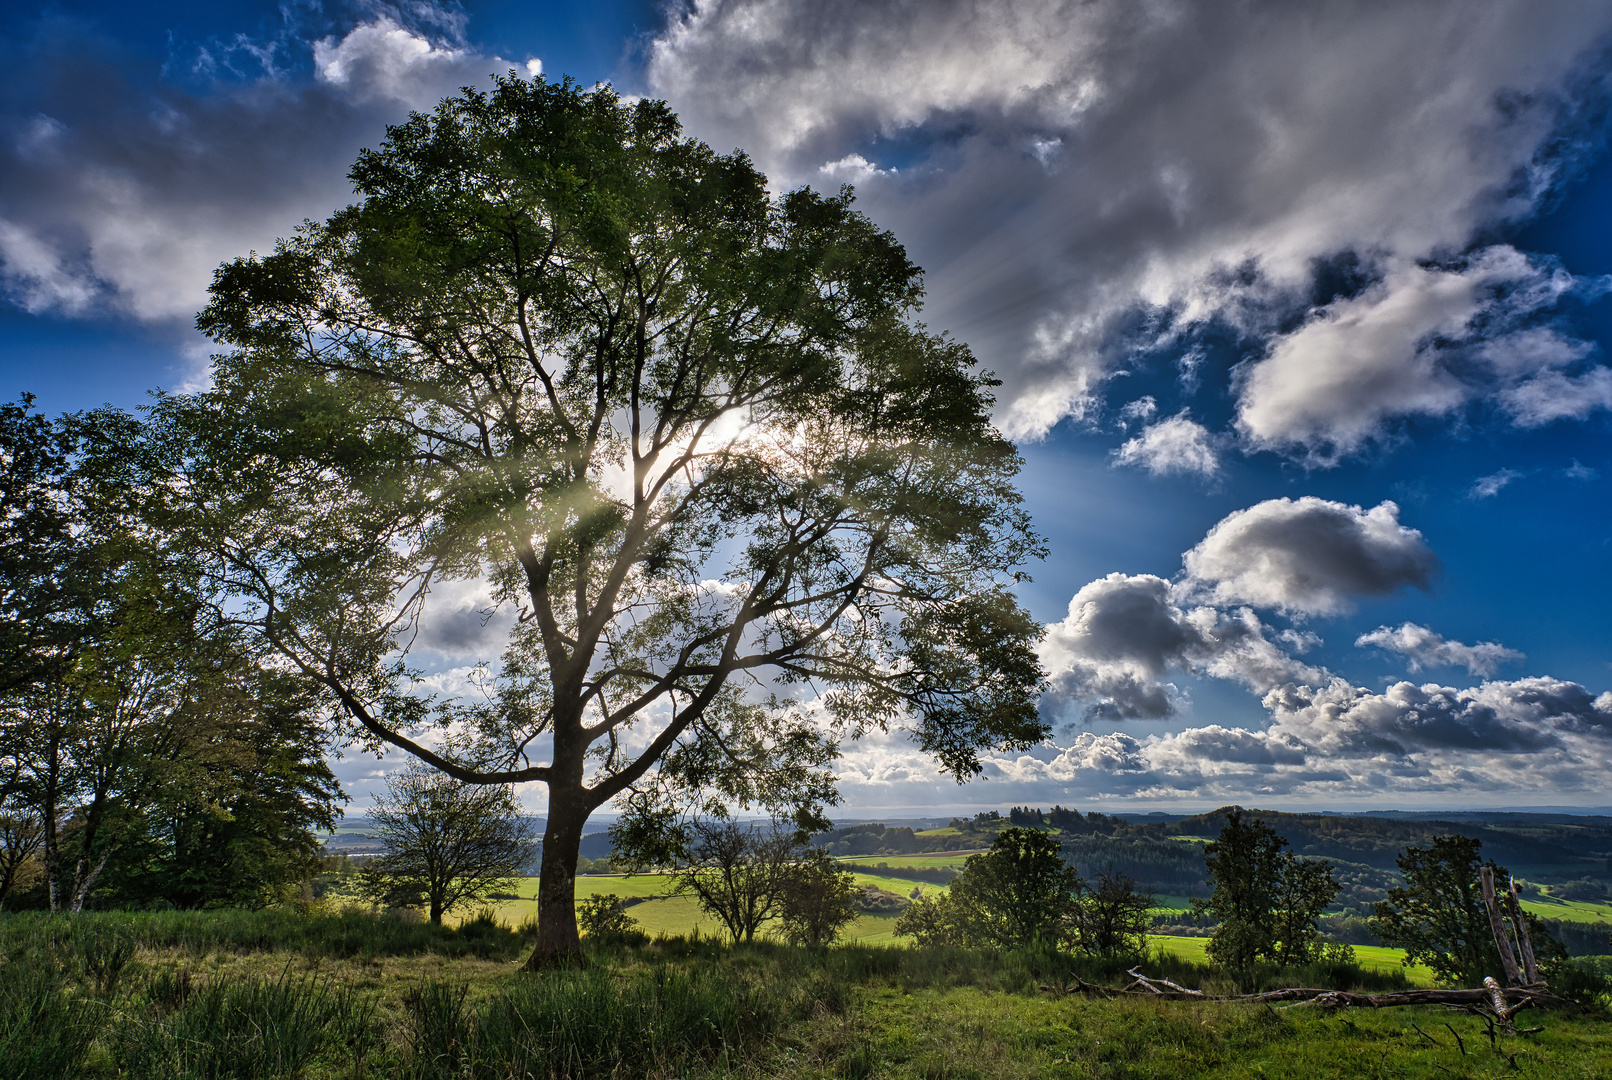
x=1487, y=487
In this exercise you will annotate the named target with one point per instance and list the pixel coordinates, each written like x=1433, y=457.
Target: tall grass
x=257, y=1029
x=46, y=1028
x=345, y=936
x=78, y=998
x=594, y=1022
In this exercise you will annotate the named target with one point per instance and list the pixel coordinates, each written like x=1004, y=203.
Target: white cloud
x=1487, y=487
x=1335, y=383
x=126, y=203
x=1178, y=444
x=851, y=169
x=1424, y=647
x=38, y=277
x=1534, y=738
x=383, y=60
x=1124, y=634
x=1555, y=395
x=1309, y=556
x=1079, y=164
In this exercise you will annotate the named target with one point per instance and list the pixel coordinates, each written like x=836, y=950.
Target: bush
x=871, y=898
x=604, y=918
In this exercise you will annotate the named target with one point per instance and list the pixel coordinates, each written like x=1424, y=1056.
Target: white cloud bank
x=1125, y=636
x=1081, y=177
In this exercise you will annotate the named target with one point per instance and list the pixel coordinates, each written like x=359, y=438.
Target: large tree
x=683, y=428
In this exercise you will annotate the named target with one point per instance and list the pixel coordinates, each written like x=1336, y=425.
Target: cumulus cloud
x=1309, y=556
x=1078, y=178
x=381, y=59
x=1178, y=444
x=1124, y=633
x=1536, y=737
x=1324, y=737
x=1427, y=648
x=123, y=196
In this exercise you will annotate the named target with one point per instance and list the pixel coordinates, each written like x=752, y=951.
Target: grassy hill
x=276, y=994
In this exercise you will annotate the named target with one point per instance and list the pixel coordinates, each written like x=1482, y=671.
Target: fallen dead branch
x=1491, y=999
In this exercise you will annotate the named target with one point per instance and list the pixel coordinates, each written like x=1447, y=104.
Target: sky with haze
x=1301, y=314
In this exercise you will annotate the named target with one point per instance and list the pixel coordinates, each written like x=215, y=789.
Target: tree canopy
x=1018, y=893
x=1267, y=899
x=741, y=507
x=1438, y=916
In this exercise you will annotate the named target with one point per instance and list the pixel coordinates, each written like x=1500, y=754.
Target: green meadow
x=662, y=914
x=278, y=995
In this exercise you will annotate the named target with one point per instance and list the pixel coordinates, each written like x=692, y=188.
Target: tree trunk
x=558, y=943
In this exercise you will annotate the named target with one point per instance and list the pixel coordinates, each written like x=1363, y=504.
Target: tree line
x=149, y=751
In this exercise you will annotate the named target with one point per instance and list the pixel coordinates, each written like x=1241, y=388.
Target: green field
x=915, y=862
x=1550, y=907
x=1371, y=957
x=664, y=916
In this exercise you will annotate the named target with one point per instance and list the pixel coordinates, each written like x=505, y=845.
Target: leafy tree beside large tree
x=682, y=428
x=1020, y=892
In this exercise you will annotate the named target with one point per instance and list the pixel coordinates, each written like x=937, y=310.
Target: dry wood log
x=1514, y=904
x=1502, y=1002
x=1497, y=925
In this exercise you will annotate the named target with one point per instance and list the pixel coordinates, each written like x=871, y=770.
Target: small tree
x=1438, y=916
x=1019, y=892
x=447, y=843
x=1303, y=891
x=1112, y=918
x=737, y=873
x=1267, y=900
x=819, y=899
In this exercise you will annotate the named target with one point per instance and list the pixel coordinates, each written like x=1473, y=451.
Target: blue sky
x=1301, y=313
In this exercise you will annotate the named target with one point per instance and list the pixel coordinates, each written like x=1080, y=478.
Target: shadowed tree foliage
x=1018, y=893
x=680, y=430
x=1112, y=917
x=49, y=570
x=819, y=899
x=1267, y=900
x=447, y=842
x=1438, y=916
